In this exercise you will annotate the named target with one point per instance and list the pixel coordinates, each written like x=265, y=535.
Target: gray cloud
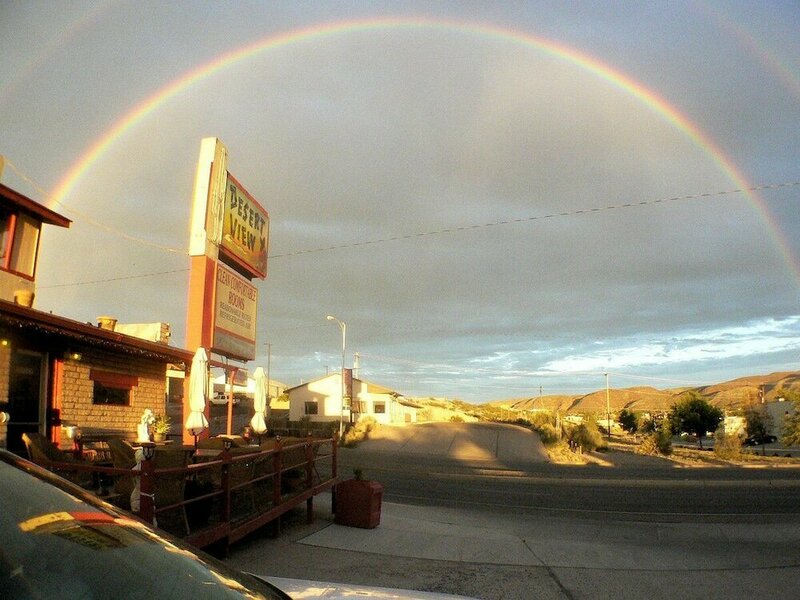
x=352, y=140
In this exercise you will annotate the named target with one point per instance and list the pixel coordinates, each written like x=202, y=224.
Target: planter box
x=358, y=503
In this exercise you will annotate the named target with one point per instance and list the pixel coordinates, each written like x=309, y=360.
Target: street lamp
x=343, y=327
x=608, y=412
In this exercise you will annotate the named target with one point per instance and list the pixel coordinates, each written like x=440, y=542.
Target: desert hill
x=729, y=395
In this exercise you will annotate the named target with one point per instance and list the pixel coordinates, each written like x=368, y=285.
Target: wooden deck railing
x=231, y=495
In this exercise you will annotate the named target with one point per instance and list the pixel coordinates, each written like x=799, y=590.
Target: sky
x=498, y=199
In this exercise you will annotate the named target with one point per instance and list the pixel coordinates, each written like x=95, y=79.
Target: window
x=6, y=222
x=312, y=408
x=380, y=408
x=112, y=388
x=24, y=245
x=19, y=240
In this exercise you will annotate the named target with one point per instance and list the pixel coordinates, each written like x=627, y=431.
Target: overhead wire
x=394, y=238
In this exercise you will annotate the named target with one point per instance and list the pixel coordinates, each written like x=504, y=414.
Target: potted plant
x=358, y=502
x=161, y=427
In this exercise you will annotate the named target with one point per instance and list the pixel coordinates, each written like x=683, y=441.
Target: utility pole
x=608, y=411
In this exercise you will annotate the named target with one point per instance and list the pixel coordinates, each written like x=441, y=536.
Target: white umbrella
x=258, y=423
x=196, y=422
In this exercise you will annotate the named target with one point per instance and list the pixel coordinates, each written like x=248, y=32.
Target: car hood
x=301, y=589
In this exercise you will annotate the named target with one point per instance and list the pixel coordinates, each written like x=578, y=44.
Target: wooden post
x=309, y=479
x=225, y=455
x=334, y=472
x=147, y=489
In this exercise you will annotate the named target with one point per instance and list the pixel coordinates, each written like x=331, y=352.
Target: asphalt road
x=419, y=470
x=474, y=519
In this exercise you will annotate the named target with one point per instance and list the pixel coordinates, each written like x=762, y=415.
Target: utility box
x=358, y=503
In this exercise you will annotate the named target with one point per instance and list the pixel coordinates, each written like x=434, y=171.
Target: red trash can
x=358, y=503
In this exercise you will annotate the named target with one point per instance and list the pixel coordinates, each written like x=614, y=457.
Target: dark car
x=59, y=541
x=758, y=441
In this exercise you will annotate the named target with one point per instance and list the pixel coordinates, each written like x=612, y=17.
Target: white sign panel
x=235, y=315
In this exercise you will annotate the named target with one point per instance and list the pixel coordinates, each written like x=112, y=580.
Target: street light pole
x=608, y=412
x=343, y=327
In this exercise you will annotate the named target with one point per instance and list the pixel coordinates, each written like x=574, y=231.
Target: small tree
x=757, y=425
x=791, y=423
x=628, y=420
x=695, y=416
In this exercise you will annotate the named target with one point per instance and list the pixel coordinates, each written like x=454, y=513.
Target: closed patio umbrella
x=258, y=423
x=196, y=422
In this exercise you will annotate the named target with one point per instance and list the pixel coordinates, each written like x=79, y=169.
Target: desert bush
x=586, y=436
x=656, y=442
x=358, y=432
x=548, y=434
x=456, y=419
x=540, y=419
x=727, y=445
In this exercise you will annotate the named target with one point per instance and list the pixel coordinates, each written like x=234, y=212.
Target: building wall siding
x=77, y=407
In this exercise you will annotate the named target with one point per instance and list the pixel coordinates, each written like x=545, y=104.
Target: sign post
x=228, y=247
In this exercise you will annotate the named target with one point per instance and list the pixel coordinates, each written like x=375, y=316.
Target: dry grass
x=561, y=454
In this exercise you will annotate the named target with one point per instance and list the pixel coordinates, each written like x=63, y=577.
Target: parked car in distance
x=61, y=541
x=754, y=441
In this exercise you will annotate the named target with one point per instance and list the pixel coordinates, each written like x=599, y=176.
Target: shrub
x=727, y=445
x=358, y=432
x=548, y=434
x=456, y=419
x=586, y=436
x=540, y=419
x=656, y=442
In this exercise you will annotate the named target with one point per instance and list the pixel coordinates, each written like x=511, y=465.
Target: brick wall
x=77, y=407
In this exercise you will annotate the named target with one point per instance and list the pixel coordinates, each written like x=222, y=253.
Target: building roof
x=14, y=317
x=25, y=204
x=372, y=387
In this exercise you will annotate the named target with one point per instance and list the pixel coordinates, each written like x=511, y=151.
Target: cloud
x=757, y=338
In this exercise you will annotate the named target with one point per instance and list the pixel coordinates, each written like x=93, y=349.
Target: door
x=26, y=397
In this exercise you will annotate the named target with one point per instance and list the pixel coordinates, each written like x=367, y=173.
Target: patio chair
x=123, y=456
x=46, y=454
x=170, y=489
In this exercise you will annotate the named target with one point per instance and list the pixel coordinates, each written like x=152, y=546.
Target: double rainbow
x=570, y=55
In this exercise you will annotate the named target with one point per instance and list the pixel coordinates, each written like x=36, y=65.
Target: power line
x=443, y=231
x=112, y=279
x=582, y=211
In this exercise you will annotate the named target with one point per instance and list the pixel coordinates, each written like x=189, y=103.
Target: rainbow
x=581, y=60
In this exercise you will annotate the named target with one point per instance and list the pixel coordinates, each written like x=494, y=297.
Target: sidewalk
x=483, y=555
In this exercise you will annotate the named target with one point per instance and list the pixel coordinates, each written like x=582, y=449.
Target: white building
x=321, y=400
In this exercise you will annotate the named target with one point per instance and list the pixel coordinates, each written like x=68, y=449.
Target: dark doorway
x=26, y=397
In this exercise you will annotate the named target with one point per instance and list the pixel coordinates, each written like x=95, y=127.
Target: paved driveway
x=468, y=442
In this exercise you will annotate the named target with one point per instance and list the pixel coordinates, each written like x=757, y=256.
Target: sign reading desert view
x=246, y=229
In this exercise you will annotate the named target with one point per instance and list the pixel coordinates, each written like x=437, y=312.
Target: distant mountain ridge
x=730, y=395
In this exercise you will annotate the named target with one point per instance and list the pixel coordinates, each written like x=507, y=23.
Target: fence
x=221, y=496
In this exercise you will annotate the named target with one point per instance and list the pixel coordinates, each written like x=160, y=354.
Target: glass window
x=312, y=408
x=24, y=245
x=110, y=395
x=380, y=408
x=112, y=388
x=5, y=236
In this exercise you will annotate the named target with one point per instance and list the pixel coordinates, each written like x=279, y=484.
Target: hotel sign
x=235, y=311
x=245, y=231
